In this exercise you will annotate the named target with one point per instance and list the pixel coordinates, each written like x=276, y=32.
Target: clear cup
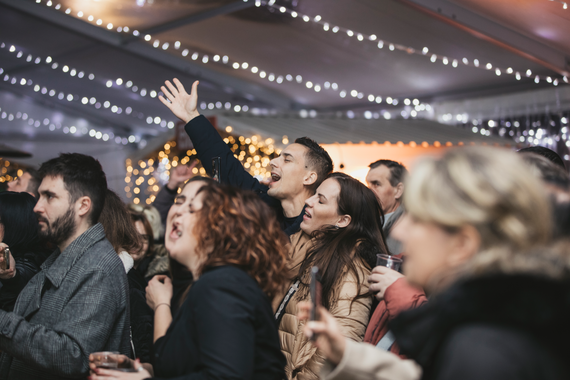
x=388, y=261
x=106, y=359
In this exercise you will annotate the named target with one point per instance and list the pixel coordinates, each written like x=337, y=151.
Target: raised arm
x=207, y=141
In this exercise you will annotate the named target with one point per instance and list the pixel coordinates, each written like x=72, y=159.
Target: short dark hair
x=548, y=171
x=34, y=182
x=551, y=155
x=19, y=221
x=82, y=176
x=317, y=158
x=397, y=171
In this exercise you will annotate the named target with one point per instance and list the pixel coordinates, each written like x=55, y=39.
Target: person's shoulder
x=101, y=256
x=222, y=275
x=228, y=280
x=504, y=352
x=483, y=335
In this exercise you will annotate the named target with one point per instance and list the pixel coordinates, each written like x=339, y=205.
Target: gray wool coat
x=77, y=304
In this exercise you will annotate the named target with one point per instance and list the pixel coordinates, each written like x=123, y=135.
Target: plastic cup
x=106, y=359
x=388, y=261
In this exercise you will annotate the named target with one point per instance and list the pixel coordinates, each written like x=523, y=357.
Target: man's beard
x=61, y=229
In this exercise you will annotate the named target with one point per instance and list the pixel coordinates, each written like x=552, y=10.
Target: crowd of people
x=215, y=280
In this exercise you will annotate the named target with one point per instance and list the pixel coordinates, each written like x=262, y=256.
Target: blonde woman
x=474, y=235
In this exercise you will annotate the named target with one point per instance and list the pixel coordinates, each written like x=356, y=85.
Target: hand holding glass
x=388, y=261
x=106, y=359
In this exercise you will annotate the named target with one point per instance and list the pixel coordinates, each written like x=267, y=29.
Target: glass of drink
x=106, y=359
x=388, y=261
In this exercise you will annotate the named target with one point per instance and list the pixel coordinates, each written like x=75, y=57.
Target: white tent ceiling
x=529, y=35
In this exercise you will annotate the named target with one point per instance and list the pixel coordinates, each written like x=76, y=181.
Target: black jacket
x=224, y=330
x=27, y=265
x=209, y=144
x=142, y=317
x=491, y=328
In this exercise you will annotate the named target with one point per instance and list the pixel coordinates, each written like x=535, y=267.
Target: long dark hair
x=333, y=250
x=19, y=221
x=118, y=225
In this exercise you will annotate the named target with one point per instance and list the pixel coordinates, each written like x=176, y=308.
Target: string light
x=408, y=49
x=10, y=170
x=263, y=74
x=70, y=98
x=92, y=101
x=54, y=126
x=544, y=129
x=144, y=178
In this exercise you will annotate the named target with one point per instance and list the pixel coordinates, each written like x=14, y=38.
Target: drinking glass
x=388, y=261
x=106, y=359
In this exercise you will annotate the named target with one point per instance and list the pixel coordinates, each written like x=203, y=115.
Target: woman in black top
x=225, y=329
x=18, y=232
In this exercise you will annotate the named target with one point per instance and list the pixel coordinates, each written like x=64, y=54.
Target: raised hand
x=180, y=174
x=183, y=105
x=380, y=279
x=158, y=291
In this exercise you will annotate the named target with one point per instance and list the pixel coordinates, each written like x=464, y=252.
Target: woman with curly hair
x=233, y=245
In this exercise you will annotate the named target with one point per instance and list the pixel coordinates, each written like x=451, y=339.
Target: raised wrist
x=190, y=116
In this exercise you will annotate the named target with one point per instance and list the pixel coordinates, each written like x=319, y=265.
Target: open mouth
x=275, y=177
x=307, y=214
x=176, y=232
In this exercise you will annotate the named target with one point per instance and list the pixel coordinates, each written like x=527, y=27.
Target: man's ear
x=399, y=191
x=344, y=221
x=310, y=178
x=467, y=244
x=83, y=206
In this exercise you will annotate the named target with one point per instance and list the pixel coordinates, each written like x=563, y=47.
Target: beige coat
x=362, y=361
x=304, y=361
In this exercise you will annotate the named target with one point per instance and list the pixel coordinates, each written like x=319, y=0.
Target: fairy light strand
x=53, y=126
x=425, y=51
x=362, y=37
x=250, y=68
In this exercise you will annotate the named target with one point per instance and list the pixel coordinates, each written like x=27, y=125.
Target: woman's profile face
x=182, y=217
x=322, y=208
x=427, y=248
x=137, y=256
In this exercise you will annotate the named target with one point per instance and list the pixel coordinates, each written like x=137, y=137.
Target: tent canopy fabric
x=331, y=131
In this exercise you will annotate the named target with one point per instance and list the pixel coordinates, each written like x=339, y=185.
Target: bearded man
x=78, y=303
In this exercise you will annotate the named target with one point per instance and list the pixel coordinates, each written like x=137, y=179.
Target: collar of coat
x=58, y=264
x=530, y=303
x=393, y=219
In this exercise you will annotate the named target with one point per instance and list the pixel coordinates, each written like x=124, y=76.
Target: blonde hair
x=490, y=189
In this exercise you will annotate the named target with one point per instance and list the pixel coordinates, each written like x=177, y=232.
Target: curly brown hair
x=237, y=228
